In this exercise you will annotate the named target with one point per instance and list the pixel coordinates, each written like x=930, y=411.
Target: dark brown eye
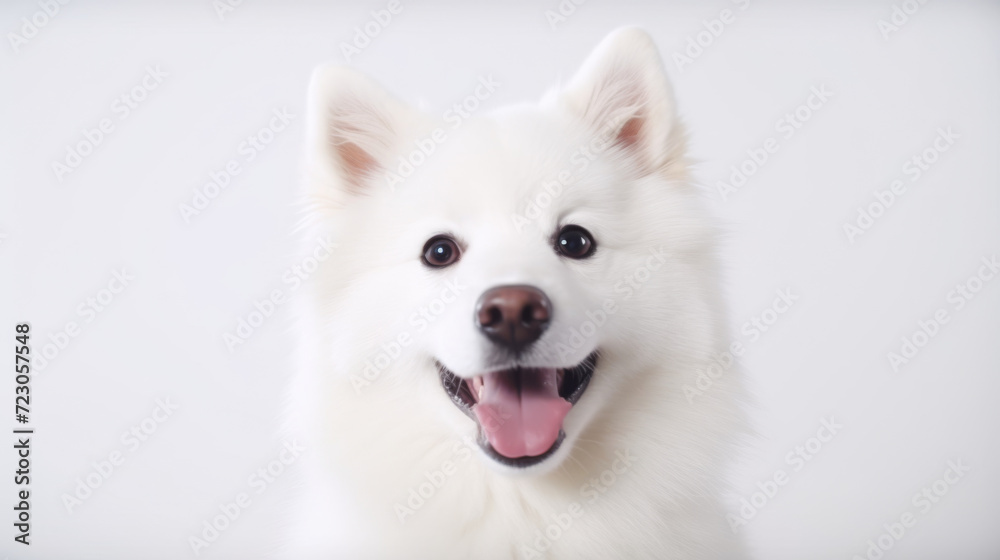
x=575, y=242
x=440, y=251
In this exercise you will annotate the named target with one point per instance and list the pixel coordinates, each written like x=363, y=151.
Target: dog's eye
x=440, y=251
x=575, y=242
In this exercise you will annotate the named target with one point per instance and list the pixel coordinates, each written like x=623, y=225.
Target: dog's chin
x=519, y=411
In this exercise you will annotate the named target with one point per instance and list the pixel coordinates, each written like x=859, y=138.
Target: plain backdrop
x=162, y=337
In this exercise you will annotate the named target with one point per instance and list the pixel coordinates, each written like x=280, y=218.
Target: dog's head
x=509, y=275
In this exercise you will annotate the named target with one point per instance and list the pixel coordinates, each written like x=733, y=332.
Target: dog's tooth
x=477, y=386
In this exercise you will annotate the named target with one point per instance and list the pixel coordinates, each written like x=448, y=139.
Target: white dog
x=497, y=355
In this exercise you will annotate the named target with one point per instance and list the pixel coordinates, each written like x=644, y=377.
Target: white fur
x=369, y=446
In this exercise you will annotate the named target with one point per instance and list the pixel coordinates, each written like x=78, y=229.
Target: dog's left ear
x=622, y=92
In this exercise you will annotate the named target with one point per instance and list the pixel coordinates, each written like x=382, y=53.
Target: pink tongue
x=521, y=412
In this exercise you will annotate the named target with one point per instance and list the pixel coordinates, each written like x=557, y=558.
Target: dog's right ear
x=622, y=91
x=354, y=129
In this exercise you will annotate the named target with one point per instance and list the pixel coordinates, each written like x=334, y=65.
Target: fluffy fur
x=376, y=439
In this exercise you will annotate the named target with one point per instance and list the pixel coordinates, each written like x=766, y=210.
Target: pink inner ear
x=622, y=90
x=358, y=133
x=357, y=163
x=630, y=133
x=352, y=137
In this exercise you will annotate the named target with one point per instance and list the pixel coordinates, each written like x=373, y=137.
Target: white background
x=61, y=241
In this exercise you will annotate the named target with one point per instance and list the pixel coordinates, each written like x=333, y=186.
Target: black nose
x=513, y=316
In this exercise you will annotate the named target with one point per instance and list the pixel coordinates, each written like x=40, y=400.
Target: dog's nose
x=513, y=316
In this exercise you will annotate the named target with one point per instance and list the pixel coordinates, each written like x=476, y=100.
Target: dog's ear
x=622, y=92
x=354, y=129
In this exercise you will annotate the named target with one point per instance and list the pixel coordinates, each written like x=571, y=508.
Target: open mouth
x=520, y=411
